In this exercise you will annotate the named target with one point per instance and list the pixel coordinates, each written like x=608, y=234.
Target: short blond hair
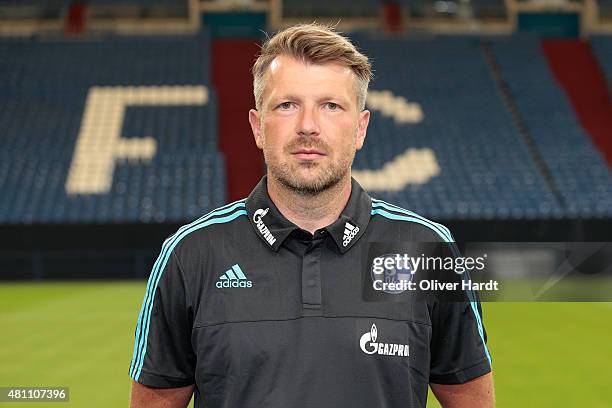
x=312, y=43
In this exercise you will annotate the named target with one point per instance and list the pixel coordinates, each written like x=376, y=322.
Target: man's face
x=309, y=125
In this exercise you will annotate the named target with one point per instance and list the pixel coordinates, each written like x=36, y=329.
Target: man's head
x=310, y=86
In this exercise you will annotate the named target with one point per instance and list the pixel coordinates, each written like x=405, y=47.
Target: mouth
x=308, y=154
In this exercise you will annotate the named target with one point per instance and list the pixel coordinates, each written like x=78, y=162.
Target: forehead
x=287, y=74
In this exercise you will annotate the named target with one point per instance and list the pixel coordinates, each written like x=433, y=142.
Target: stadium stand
x=602, y=47
x=48, y=97
x=489, y=8
x=486, y=171
x=137, y=8
x=20, y=9
x=478, y=8
x=605, y=8
x=577, y=71
x=577, y=167
x=325, y=8
x=111, y=132
x=442, y=142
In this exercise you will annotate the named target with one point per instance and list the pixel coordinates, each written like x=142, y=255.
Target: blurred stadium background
x=121, y=120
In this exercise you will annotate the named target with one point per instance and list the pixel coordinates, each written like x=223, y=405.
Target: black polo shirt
x=257, y=312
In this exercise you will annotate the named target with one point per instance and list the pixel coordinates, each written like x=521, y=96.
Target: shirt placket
x=311, y=279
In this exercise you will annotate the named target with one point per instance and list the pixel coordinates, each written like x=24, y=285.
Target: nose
x=308, y=122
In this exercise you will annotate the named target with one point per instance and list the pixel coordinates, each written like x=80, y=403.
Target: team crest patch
x=390, y=275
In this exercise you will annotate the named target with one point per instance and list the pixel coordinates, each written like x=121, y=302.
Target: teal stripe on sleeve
x=147, y=317
x=168, y=245
x=439, y=228
x=447, y=237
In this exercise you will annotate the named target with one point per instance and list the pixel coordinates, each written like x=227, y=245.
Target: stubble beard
x=290, y=176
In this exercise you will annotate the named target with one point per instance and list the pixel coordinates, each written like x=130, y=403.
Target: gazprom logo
x=265, y=232
x=368, y=345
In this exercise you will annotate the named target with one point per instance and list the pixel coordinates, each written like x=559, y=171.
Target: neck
x=310, y=212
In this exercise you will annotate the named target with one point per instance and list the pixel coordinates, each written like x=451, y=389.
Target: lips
x=308, y=154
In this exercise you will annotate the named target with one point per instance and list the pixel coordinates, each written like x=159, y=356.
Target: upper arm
x=163, y=354
x=459, y=352
x=458, y=346
x=148, y=397
x=476, y=393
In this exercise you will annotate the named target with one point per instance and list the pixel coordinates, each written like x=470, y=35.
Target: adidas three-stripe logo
x=234, y=278
x=349, y=233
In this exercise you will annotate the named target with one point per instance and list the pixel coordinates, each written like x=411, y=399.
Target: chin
x=308, y=177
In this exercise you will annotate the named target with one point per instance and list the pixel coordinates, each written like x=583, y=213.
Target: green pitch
x=80, y=335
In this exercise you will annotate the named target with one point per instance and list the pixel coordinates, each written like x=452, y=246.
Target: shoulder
x=403, y=218
x=198, y=233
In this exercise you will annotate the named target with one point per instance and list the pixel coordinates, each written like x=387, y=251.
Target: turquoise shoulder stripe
x=474, y=305
x=439, y=228
x=470, y=293
x=158, y=273
x=168, y=245
x=219, y=211
x=407, y=217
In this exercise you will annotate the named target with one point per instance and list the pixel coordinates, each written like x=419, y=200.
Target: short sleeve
x=163, y=355
x=458, y=350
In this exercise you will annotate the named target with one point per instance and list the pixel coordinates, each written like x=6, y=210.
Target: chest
x=255, y=284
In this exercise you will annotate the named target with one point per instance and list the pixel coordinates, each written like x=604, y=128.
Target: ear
x=362, y=128
x=255, y=121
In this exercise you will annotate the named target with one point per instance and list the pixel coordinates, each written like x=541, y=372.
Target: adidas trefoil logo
x=234, y=278
x=349, y=233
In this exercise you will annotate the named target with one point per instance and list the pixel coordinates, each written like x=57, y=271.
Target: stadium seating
x=439, y=126
x=605, y=8
x=100, y=9
x=47, y=88
x=325, y=8
x=478, y=8
x=486, y=171
x=577, y=168
x=602, y=47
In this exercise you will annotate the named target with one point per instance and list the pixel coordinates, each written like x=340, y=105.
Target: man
x=258, y=303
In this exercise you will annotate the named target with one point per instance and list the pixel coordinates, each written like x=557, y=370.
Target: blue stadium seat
x=45, y=84
x=577, y=167
x=485, y=168
x=602, y=47
x=325, y=8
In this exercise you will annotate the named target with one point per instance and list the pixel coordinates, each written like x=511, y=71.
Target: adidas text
x=233, y=278
x=234, y=284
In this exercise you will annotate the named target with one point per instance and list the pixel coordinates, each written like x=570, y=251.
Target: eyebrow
x=321, y=99
x=284, y=97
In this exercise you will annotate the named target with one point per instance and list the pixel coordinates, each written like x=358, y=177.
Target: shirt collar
x=273, y=228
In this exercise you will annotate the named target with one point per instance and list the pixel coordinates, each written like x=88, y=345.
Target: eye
x=332, y=106
x=285, y=105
